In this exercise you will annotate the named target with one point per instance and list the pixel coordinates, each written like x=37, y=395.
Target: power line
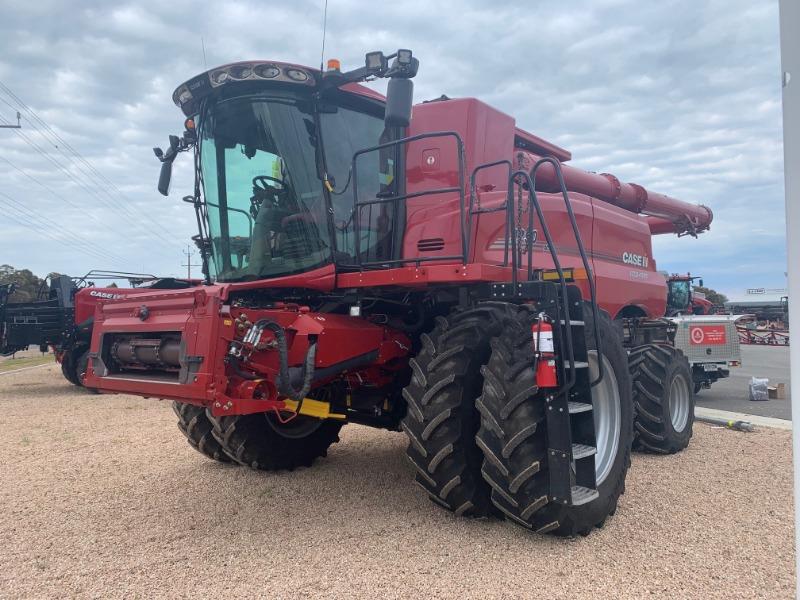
x=27, y=220
x=15, y=219
x=61, y=167
x=57, y=229
x=91, y=171
x=85, y=184
x=82, y=210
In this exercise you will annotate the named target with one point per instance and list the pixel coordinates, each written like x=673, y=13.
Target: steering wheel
x=261, y=182
x=263, y=189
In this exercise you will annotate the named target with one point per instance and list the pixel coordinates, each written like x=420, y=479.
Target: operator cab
x=274, y=149
x=678, y=295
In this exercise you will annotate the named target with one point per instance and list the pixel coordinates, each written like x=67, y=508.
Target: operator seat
x=279, y=233
x=261, y=242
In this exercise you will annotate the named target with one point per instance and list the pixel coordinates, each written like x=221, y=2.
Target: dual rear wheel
x=477, y=427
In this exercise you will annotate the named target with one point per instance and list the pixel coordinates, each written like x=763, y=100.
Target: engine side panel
x=624, y=264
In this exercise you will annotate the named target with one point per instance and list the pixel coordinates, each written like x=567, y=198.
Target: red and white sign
x=707, y=335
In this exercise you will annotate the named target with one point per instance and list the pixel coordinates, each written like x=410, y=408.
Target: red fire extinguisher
x=544, y=352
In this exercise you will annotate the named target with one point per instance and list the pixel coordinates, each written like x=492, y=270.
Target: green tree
x=26, y=284
x=712, y=296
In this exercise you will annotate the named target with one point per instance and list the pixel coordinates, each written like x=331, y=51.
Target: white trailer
x=710, y=343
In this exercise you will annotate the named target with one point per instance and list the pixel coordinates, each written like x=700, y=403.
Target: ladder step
x=583, y=495
x=573, y=322
x=579, y=364
x=580, y=451
x=578, y=407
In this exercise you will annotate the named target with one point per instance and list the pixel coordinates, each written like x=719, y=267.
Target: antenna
x=203, y=46
x=324, y=29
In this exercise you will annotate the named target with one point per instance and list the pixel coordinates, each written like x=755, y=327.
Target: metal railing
x=577, y=234
x=510, y=241
x=395, y=200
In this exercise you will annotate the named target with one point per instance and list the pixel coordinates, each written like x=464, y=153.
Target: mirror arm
x=176, y=145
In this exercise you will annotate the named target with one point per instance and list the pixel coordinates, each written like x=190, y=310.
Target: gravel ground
x=100, y=496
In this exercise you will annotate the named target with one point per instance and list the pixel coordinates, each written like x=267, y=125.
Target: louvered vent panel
x=430, y=245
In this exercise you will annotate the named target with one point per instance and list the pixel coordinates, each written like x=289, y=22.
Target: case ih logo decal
x=707, y=335
x=106, y=295
x=629, y=258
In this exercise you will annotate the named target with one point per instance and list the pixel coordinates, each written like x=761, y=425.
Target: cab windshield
x=260, y=162
x=678, y=295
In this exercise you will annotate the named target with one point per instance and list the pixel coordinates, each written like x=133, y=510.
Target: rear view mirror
x=165, y=177
x=399, y=98
x=176, y=145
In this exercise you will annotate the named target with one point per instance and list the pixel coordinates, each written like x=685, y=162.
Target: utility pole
x=17, y=126
x=790, y=65
x=189, y=253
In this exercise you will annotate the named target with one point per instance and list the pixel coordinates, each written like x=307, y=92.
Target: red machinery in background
x=683, y=300
x=62, y=316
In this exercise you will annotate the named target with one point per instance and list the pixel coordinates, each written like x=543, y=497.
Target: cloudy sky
x=682, y=97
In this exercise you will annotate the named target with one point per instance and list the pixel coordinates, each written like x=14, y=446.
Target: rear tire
x=662, y=393
x=260, y=442
x=513, y=433
x=196, y=426
x=69, y=368
x=442, y=420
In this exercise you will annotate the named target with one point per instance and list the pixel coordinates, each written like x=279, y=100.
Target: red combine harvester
x=444, y=274
x=62, y=315
x=683, y=300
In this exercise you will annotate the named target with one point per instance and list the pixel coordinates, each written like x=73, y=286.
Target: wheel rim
x=296, y=428
x=679, y=402
x=607, y=417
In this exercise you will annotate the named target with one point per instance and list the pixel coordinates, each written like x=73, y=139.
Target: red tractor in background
x=444, y=274
x=683, y=300
x=62, y=315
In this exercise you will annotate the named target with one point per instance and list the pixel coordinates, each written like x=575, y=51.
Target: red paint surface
x=87, y=298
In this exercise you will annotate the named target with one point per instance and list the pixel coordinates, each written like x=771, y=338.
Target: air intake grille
x=430, y=245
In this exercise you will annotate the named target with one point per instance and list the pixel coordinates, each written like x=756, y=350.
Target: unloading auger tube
x=664, y=214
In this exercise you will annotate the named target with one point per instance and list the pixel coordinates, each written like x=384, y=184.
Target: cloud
x=681, y=97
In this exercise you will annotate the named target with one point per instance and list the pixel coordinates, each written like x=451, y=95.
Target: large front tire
x=261, y=442
x=441, y=420
x=662, y=393
x=513, y=433
x=196, y=426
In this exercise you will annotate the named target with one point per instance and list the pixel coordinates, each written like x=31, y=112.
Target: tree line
x=26, y=284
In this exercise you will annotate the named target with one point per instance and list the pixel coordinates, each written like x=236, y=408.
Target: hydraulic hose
x=284, y=383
